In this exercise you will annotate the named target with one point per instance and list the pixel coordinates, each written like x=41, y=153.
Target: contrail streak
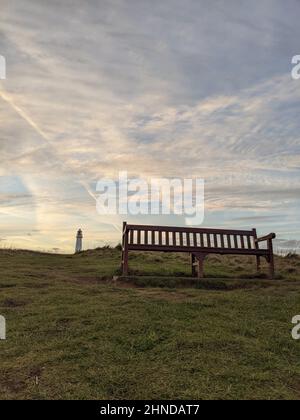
x=25, y=154
x=24, y=115
x=8, y=99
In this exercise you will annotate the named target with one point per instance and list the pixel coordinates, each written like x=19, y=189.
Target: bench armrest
x=266, y=238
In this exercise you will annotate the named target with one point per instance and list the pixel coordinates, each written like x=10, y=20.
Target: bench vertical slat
x=146, y=237
x=195, y=239
x=131, y=232
x=201, y=240
x=160, y=237
x=181, y=238
x=208, y=240
x=222, y=241
x=215, y=240
x=249, y=242
x=174, y=238
x=153, y=237
x=242, y=241
x=138, y=237
x=228, y=241
x=167, y=238
x=188, y=241
x=235, y=241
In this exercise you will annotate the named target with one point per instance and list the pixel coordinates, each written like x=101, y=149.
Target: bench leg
x=271, y=259
x=271, y=267
x=258, y=264
x=124, y=251
x=125, y=262
x=193, y=262
x=200, y=268
x=200, y=257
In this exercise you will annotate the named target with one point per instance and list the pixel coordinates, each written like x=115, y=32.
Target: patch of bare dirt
x=16, y=381
x=90, y=279
x=35, y=371
x=107, y=280
x=13, y=383
x=13, y=303
x=171, y=296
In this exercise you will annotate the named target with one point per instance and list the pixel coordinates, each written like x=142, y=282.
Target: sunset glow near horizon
x=158, y=89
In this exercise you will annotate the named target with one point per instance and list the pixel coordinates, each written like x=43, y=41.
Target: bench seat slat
x=196, y=249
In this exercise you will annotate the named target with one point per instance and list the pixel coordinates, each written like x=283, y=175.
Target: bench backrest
x=169, y=238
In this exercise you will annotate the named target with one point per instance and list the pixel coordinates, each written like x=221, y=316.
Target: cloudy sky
x=200, y=88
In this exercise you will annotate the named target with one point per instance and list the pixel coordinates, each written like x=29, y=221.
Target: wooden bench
x=199, y=242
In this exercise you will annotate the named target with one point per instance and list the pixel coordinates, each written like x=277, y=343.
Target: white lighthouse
x=78, y=247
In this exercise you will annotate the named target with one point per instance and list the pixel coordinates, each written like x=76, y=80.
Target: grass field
x=73, y=332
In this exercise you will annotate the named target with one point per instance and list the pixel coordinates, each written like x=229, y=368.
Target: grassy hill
x=74, y=332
